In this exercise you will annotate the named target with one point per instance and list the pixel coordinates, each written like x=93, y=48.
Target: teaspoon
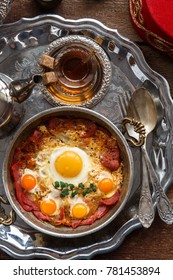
x=142, y=108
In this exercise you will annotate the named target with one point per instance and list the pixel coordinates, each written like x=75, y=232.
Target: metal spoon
x=142, y=108
x=137, y=136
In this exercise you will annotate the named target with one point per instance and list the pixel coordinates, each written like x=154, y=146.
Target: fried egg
x=50, y=205
x=29, y=180
x=106, y=184
x=70, y=164
x=78, y=208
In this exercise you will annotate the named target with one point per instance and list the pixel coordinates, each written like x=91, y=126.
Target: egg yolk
x=28, y=182
x=48, y=207
x=68, y=164
x=79, y=210
x=106, y=185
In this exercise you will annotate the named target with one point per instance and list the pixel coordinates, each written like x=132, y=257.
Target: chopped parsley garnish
x=81, y=185
x=69, y=189
x=86, y=191
x=64, y=192
x=75, y=192
x=93, y=187
x=56, y=185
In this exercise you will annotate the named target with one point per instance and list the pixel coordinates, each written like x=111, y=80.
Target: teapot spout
x=21, y=89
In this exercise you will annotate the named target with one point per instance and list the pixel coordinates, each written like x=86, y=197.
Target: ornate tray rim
x=4, y=9
x=132, y=224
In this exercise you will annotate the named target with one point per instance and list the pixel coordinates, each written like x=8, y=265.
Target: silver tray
x=20, y=46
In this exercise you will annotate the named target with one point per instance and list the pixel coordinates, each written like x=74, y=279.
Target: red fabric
x=153, y=20
x=158, y=17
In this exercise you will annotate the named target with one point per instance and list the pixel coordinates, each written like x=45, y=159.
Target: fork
x=136, y=136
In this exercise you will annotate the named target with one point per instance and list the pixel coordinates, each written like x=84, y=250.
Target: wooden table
x=155, y=242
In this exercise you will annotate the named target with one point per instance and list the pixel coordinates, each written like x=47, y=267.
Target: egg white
x=103, y=174
x=81, y=177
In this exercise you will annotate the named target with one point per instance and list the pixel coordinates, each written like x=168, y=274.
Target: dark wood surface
x=157, y=241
